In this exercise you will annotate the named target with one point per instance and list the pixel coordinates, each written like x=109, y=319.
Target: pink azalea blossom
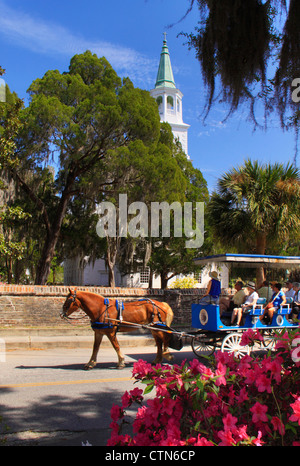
x=203, y=442
x=126, y=400
x=295, y=417
x=263, y=383
x=116, y=412
x=227, y=438
x=258, y=442
x=229, y=422
x=241, y=432
x=220, y=373
x=242, y=396
x=278, y=425
x=249, y=337
x=259, y=412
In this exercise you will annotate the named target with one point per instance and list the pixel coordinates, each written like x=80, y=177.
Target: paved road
x=48, y=399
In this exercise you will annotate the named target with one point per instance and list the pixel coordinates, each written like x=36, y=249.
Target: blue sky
x=38, y=35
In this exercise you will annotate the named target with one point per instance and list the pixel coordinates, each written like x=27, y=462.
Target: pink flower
x=249, y=337
x=126, y=400
x=229, y=422
x=202, y=442
x=242, y=396
x=116, y=412
x=227, y=438
x=259, y=412
x=220, y=372
x=278, y=425
x=258, y=442
x=275, y=368
x=241, y=432
x=142, y=369
x=263, y=383
x=136, y=394
x=198, y=368
x=283, y=341
x=295, y=417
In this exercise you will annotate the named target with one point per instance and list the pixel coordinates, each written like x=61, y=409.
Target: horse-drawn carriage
x=215, y=330
x=209, y=330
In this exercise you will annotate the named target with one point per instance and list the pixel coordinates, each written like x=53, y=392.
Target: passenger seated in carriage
x=296, y=301
x=247, y=306
x=278, y=298
x=227, y=304
x=213, y=290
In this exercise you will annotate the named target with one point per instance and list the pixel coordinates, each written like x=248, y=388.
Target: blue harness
x=108, y=325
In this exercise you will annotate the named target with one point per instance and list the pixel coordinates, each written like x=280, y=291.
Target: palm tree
x=256, y=207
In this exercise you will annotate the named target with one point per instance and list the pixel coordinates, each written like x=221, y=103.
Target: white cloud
x=49, y=38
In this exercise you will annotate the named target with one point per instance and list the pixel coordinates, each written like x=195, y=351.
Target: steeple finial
x=165, y=76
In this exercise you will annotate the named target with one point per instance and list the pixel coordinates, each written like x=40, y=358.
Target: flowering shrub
x=244, y=401
x=184, y=283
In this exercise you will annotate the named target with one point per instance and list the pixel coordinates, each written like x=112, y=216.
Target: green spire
x=165, y=76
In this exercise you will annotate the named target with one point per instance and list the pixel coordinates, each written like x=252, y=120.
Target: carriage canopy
x=252, y=260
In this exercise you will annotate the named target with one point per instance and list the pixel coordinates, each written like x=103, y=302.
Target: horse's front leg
x=114, y=341
x=97, y=342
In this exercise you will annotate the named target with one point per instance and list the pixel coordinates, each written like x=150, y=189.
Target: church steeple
x=165, y=76
x=169, y=98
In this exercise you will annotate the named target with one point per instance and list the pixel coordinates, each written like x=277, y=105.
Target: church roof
x=165, y=76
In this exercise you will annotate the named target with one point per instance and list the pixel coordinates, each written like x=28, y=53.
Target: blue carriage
x=215, y=331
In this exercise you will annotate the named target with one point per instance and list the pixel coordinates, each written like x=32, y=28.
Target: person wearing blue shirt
x=278, y=298
x=213, y=290
x=296, y=301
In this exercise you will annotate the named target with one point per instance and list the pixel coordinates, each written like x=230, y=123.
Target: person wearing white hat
x=247, y=306
x=213, y=290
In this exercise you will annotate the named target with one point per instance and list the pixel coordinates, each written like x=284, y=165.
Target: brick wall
x=39, y=306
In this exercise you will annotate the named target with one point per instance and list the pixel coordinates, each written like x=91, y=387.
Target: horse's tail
x=169, y=314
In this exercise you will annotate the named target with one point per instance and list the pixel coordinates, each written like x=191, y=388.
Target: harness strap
x=103, y=325
x=120, y=309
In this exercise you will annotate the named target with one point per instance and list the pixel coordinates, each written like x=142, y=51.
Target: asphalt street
x=48, y=399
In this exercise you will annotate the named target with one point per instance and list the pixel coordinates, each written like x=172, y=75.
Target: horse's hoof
x=169, y=357
x=89, y=367
x=153, y=363
x=121, y=366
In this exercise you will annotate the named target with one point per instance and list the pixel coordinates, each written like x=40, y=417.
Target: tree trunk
x=43, y=268
x=261, y=243
x=164, y=279
x=113, y=245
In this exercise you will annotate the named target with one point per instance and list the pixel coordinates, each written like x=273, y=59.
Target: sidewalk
x=62, y=337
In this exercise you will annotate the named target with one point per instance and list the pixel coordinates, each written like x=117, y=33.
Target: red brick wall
x=39, y=306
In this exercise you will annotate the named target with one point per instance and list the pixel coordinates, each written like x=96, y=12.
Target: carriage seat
x=256, y=311
x=285, y=308
x=259, y=307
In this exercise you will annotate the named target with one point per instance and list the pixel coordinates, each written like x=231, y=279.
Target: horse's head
x=70, y=305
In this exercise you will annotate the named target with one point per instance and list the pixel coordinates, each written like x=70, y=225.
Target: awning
x=251, y=260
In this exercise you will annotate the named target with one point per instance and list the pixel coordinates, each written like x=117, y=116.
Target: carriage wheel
x=201, y=346
x=232, y=344
x=269, y=335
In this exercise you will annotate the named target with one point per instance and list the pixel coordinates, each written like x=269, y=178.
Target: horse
x=106, y=318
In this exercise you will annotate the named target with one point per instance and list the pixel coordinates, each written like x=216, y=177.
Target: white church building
x=169, y=100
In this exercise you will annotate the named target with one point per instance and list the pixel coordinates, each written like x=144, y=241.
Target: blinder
x=67, y=304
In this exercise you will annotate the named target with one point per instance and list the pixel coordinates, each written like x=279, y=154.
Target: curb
x=40, y=339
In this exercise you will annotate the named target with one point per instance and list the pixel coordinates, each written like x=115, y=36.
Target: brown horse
x=105, y=320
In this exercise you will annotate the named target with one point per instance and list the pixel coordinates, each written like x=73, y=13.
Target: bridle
x=67, y=304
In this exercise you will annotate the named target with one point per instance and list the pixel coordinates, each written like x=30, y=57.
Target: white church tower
x=169, y=99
